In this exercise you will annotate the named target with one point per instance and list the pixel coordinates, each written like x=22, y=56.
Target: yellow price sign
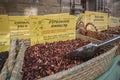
x=4, y=28
x=62, y=14
x=4, y=42
x=82, y=15
x=4, y=33
x=113, y=21
x=52, y=28
x=100, y=20
x=19, y=22
x=119, y=22
x=19, y=26
x=81, y=20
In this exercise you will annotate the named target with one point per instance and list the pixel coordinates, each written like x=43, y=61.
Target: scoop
x=88, y=51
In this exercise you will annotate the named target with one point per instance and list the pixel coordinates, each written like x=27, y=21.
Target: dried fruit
x=44, y=60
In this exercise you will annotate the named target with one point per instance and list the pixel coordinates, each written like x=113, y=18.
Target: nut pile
x=104, y=35
x=95, y=34
x=111, y=32
x=3, y=57
x=44, y=60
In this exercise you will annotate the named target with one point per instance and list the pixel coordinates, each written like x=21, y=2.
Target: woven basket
x=88, y=70
x=17, y=70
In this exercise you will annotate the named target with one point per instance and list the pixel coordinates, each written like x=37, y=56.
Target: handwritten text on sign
x=113, y=21
x=52, y=28
x=19, y=26
x=100, y=20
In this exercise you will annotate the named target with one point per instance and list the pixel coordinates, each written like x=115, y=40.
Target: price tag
x=100, y=20
x=52, y=28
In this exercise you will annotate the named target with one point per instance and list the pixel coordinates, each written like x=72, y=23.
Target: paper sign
x=4, y=33
x=62, y=14
x=81, y=20
x=52, y=28
x=19, y=26
x=100, y=20
x=4, y=42
x=4, y=29
x=119, y=22
x=113, y=21
x=82, y=15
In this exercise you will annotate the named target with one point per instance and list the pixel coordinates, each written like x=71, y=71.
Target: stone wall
x=29, y=7
x=35, y=7
x=115, y=9
x=91, y=5
x=40, y=7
